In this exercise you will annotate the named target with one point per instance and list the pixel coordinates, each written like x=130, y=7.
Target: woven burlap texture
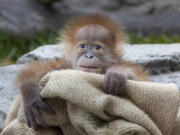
x=83, y=109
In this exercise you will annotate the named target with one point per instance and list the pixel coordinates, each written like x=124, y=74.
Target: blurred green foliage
x=152, y=39
x=12, y=48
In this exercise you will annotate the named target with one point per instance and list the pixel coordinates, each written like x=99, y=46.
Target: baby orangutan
x=93, y=43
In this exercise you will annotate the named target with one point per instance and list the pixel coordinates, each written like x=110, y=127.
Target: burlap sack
x=82, y=108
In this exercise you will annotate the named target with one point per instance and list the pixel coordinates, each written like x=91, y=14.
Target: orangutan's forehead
x=92, y=33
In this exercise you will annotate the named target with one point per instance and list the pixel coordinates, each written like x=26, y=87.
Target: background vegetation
x=11, y=48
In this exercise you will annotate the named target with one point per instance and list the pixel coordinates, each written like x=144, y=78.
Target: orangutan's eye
x=97, y=47
x=82, y=46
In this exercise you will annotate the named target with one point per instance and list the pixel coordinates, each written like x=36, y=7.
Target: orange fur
x=83, y=20
x=139, y=72
x=36, y=70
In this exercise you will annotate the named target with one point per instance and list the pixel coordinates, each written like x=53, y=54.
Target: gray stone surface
x=48, y=2
x=137, y=7
x=146, y=16
x=42, y=53
x=8, y=87
x=156, y=58
x=151, y=23
x=27, y=17
x=2, y=119
x=167, y=78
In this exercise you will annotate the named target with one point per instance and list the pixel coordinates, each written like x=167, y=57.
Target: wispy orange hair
x=82, y=20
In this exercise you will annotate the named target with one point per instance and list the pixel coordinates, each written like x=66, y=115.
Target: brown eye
x=97, y=47
x=82, y=46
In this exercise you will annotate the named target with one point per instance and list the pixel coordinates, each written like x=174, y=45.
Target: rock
x=42, y=53
x=2, y=119
x=156, y=58
x=48, y=2
x=166, y=6
x=167, y=23
x=159, y=58
x=27, y=17
x=145, y=16
x=167, y=78
x=8, y=86
x=136, y=7
x=135, y=2
x=109, y=4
